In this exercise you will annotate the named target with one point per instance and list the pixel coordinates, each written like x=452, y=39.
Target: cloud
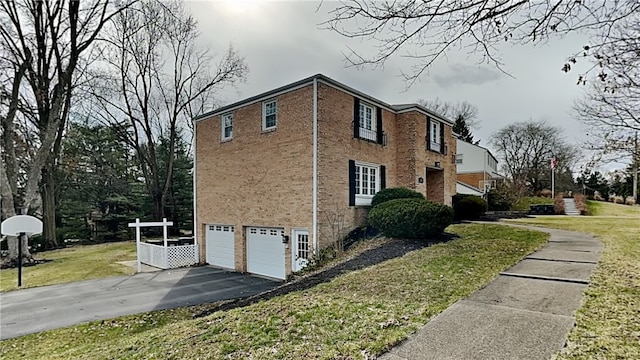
x=460, y=74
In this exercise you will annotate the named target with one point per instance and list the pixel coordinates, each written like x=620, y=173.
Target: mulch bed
x=390, y=249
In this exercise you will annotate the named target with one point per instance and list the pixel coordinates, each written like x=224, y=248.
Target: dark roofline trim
x=257, y=98
x=324, y=79
x=353, y=92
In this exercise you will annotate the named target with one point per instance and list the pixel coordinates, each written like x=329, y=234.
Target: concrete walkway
x=570, y=208
x=524, y=313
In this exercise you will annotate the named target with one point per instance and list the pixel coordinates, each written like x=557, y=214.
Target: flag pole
x=553, y=183
x=554, y=165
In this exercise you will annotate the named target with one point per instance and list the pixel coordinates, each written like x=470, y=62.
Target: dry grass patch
x=82, y=262
x=608, y=323
x=357, y=315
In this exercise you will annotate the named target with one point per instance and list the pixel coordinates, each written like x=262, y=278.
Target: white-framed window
x=367, y=181
x=269, y=115
x=303, y=246
x=434, y=141
x=368, y=122
x=227, y=126
x=459, y=158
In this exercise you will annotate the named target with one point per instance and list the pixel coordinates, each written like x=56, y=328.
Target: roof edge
x=309, y=80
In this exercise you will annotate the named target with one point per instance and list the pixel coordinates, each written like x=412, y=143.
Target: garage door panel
x=265, y=252
x=220, y=246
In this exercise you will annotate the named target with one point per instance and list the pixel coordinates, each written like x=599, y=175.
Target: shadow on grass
x=387, y=251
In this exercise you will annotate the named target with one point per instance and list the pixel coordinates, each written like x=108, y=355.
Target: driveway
x=49, y=307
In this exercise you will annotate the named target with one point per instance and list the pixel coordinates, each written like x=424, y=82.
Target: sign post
x=21, y=226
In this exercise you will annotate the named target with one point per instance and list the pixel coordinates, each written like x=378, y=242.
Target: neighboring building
x=292, y=170
x=477, y=169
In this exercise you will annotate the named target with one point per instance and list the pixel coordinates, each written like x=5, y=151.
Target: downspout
x=484, y=174
x=315, y=166
x=195, y=202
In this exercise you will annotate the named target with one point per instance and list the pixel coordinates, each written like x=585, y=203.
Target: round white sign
x=27, y=224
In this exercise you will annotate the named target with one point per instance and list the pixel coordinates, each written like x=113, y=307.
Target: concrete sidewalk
x=524, y=313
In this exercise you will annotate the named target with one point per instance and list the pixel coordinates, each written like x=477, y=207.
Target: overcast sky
x=283, y=41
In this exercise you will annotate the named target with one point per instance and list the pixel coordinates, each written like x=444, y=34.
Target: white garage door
x=220, y=241
x=265, y=252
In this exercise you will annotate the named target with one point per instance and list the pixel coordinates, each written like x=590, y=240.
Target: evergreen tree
x=461, y=128
x=179, y=204
x=96, y=177
x=464, y=113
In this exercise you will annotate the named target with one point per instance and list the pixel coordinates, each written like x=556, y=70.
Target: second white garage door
x=220, y=246
x=265, y=252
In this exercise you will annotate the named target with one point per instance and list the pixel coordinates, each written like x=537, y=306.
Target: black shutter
x=352, y=183
x=379, y=133
x=442, y=138
x=356, y=117
x=428, y=133
x=383, y=177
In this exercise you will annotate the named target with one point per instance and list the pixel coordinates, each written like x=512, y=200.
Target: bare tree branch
x=162, y=76
x=434, y=26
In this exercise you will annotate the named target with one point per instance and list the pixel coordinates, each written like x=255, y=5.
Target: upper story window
x=459, y=158
x=269, y=115
x=227, y=126
x=435, y=135
x=367, y=122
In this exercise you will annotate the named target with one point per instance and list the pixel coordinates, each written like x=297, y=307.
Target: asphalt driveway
x=49, y=307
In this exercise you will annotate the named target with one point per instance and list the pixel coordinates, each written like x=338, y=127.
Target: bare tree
x=463, y=113
x=152, y=81
x=613, y=102
x=425, y=30
x=42, y=45
x=610, y=108
x=526, y=149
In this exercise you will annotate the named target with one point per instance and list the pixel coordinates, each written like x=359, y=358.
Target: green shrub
x=500, y=200
x=385, y=195
x=410, y=218
x=468, y=207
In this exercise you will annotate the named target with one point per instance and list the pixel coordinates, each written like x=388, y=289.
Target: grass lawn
x=608, y=323
x=356, y=315
x=73, y=264
x=523, y=204
x=601, y=208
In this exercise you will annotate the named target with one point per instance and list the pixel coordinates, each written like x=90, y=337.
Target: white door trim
x=298, y=263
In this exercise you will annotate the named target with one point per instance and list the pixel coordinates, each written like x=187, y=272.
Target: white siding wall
x=473, y=158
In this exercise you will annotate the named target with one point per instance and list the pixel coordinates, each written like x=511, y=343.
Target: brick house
x=292, y=170
x=477, y=169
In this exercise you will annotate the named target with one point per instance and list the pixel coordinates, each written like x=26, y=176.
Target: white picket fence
x=163, y=256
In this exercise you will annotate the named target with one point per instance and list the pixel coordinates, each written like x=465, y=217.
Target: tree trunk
x=49, y=208
x=9, y=210
x=158, y=205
